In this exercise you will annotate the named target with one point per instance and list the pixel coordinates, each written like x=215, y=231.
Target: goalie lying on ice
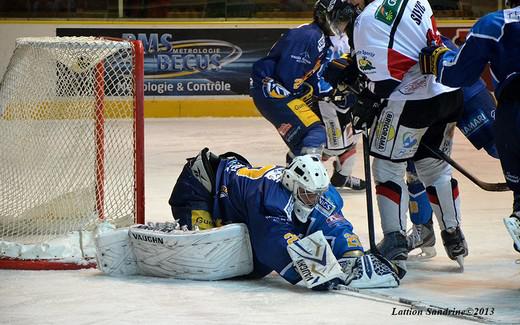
x=249, y=221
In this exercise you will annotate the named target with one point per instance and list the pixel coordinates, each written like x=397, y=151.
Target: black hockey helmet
x=512, y=3
x=334, y=16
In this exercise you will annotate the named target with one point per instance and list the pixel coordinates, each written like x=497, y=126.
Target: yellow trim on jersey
x=202, y=219
x=303, y=112
x=254, y=173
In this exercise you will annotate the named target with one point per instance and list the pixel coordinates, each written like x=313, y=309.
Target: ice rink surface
x=490, y=285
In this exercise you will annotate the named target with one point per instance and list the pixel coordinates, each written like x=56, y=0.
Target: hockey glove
x=365, y=110
x=341, y=70
x=429, y=58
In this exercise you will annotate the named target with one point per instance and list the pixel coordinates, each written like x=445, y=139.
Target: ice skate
x=394, y=248
x=455, y=245
x=347, y=183
x=512, y=224
x=423, y=237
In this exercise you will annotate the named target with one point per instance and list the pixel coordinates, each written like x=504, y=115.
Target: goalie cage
x=71, y=143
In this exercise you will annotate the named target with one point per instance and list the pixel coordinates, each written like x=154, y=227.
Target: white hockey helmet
x=307, y=179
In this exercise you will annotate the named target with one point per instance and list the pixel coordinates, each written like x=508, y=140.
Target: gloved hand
x=429, y=58
x=341, y=70
x=365, y=110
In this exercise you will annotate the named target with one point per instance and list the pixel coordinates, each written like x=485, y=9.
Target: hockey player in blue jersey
x=284, y=83
x=291, y=214
x=494, y=39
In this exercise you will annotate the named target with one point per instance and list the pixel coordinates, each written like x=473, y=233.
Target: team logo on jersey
x=334, y=219
x=409, y=140
x=365, y=64
x=325, y=206
x=387, y=11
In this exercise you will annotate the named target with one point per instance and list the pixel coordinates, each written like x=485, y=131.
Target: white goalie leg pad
x=314, y=261
x=212, y=254
x=114, y=253
x=369, y=272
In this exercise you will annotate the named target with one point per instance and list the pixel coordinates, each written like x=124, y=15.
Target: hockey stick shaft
x=491, y=187
x=368, y=191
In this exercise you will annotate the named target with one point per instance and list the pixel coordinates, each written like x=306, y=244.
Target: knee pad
x=433, y=171
x=392, y=201
x=445, y=202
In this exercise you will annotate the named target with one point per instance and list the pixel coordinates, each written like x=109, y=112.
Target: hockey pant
x=295, y=121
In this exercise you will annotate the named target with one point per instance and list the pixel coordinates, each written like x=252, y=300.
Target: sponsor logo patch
x=325, y=206
x=387, y=11
x=385, y=131
x=365, y=64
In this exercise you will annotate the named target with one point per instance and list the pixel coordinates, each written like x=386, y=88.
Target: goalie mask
x=307, y=179
x=334, y=16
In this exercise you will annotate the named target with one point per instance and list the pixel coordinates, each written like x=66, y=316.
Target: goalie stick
x=412, y=304
x=490, y=187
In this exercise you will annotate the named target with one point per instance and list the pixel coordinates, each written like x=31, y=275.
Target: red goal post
x=72, y=148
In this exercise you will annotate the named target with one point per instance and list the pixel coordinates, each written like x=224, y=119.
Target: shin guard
x=445, y=202
x=392, y=206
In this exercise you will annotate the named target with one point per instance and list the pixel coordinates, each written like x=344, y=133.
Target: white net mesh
x=67, y=140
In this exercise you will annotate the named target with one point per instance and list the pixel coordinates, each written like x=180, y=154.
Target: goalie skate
x=421, y=237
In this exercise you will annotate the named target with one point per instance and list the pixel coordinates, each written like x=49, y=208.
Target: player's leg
x=436, y=174
x=191, y=199
x=392, y=202
x=341, y=144
x=422, y=234
x=296, y=122
x=508, y=145
x=392, y=144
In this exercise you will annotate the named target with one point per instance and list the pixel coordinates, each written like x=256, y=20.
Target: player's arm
x=457, y=68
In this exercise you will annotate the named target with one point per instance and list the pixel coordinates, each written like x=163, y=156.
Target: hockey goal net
x=71, y=148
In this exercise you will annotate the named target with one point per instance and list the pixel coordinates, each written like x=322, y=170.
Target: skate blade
x=425, y=254
x=460, y=261
x=511, y=227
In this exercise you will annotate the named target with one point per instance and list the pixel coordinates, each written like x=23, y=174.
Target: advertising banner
x=194, y=62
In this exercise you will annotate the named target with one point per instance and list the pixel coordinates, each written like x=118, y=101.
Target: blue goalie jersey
x=255, y=196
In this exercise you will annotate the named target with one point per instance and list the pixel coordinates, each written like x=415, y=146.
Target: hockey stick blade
x=491, y=187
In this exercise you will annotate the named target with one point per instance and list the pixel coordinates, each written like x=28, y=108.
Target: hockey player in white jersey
x=411, y=109
x=334, y=112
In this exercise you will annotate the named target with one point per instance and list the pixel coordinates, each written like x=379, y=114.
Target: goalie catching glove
x=429, y=58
